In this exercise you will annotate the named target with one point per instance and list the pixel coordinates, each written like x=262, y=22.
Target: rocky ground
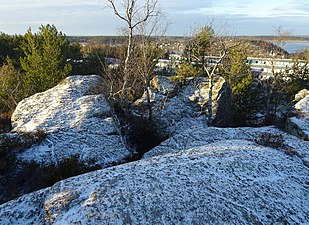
x=226, y=182
x=200, y=175
x=176, y=108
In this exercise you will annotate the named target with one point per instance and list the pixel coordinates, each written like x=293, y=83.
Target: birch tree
x=134, y=13
x=149, y=52
x=275, y=81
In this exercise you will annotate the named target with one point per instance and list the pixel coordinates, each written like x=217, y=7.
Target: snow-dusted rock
x=303, y=105
x=220, y=100
x=197, y=136
x=76, y=119
x=175, y=109
x=301, y=94
x=299, y=125
x=227, y=182
x=62, y=132
x=164, y=85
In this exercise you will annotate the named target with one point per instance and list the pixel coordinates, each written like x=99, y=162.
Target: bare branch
x=141, y=17
x=113, y=6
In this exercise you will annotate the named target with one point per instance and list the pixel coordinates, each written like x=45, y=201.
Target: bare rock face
x=197, y=137
x=163, y=84
x=76, y=119
x=176, y=109
x=299, y=125
x=301, y=94
x=62, y=132
x=221, y=101
x=226, y=182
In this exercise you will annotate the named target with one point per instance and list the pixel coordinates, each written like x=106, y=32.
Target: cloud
x=48, y=3
x=88, y=17
x=257, y=9
x=72, y=17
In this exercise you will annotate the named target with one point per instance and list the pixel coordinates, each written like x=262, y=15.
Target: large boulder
x=76, y=119
x=64, y=131
x=177, y=108
x=226, y=182
x=299, y=125
x=221, y=100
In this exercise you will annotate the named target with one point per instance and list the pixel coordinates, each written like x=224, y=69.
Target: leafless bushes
x=275, y=141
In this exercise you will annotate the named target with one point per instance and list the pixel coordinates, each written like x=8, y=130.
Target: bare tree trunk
x=209, y=104
x=149, y=102
x=211, y=76
x=127, y=60
x=134, y=13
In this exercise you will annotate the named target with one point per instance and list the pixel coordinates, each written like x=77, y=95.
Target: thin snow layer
x=175, y=110
x=28, y=211
x=227, y=182
x=77, y=121
x=195, y=137
x=302, y=125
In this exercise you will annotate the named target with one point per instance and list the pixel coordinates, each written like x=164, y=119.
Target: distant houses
x=261, y=68
x=267, y=67
x=174, y=60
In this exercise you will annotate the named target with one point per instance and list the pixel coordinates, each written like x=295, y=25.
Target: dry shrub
x=270, y=140
x=275, y=141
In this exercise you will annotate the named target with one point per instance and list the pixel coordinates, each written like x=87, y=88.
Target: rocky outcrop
x=197, y=137
x=176, y=109
x=201, y=175
x=62, y=132
x=76, y=119
x=224, y=182
x=299, y=125
x=164, y=85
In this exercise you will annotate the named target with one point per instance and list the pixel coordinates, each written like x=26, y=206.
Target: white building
x=267, y=67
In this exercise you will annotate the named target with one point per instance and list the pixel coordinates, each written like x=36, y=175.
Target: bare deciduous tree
x=282, y=36
x=133, y=13
x=150, y=52
x=205, y=40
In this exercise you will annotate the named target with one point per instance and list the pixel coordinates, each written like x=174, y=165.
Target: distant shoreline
x=293, y=40
x=264, y=38
x=304, y=39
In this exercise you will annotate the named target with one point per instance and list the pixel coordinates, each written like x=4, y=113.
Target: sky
x=92, y=17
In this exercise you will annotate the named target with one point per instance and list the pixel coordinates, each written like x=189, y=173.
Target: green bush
x=184, y=71
x=11, y=87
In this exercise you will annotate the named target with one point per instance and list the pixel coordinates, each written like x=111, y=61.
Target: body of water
x=292, y=47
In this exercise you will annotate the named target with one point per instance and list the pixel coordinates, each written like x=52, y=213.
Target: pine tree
x=43, y=62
